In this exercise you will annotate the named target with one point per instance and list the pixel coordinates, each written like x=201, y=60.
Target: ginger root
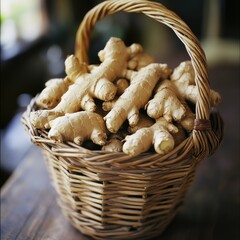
x=52, y=93
x=135, y=96
x=97, y=83
x=144, y=121
x=122, y=84
x=72, y=127
x=139, y=61
x=115, y=142
x=158, y=135
x=168, y=103
x=183, y=77
x=177, y=130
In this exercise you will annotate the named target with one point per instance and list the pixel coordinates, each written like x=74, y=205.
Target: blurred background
x=36, y=37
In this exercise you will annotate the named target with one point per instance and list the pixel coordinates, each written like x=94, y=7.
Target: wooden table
x=29, y=209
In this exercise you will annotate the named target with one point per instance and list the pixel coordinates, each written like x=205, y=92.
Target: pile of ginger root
x=127, y=103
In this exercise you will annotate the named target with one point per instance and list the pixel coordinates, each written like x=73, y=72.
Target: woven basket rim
x=94, y=157
x=101, y=159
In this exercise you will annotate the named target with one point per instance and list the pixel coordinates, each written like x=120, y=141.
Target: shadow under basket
x=112, y=195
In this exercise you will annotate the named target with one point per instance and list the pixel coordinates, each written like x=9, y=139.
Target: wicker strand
x=202, y=124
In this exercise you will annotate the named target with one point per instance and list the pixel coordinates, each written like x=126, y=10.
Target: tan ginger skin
x=135, y=96
x=113, y=145
x=72, y=127
x=115, y=142
x=52, y=93
x=168, y=103
x=177, y=131
x=183, y=77
x=122, y=84
x=97, y=83
x=139, y=61
x=136, y=63
x=158, y=135
x=144, y=121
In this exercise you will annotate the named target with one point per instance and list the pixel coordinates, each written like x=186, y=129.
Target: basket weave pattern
x=111, y=195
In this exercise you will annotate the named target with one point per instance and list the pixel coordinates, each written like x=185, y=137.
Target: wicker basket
x=111, y=195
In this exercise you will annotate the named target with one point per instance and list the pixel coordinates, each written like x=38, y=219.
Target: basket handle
x=163, y=15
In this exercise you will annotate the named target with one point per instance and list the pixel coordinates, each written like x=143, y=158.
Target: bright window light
x=22, y=21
